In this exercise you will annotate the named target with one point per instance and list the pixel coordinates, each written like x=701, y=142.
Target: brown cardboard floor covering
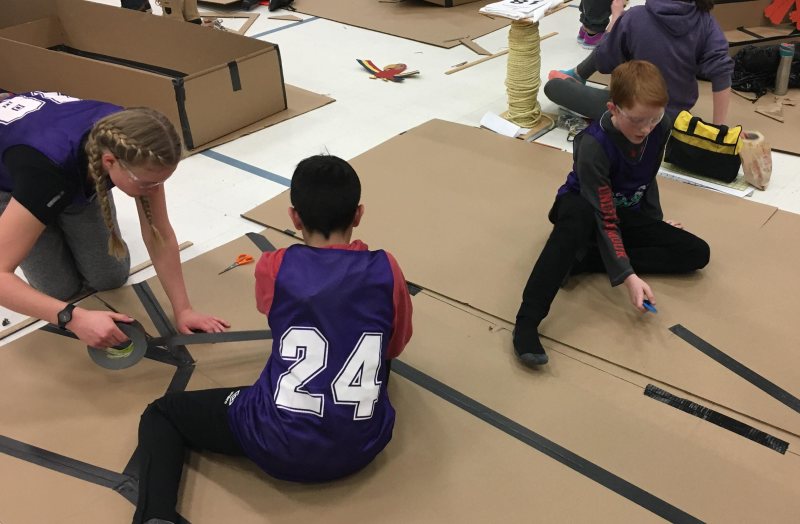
x=471, y=471
x=483, y=212
x=30, y=494
x=53, y=389
x=559, y=402
x=412, y=19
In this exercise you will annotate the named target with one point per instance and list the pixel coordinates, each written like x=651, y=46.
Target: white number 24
x=356, y=383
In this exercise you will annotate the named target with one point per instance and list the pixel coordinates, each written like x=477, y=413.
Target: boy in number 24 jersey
x=320, y=410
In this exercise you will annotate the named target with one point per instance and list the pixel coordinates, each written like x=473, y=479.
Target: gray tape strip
x=261, y=242
x=737, y=367
x=60, y=463
x=566, y=457
x=212, y=338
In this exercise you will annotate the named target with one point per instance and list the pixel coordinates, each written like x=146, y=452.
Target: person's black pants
x=653, y=246
x=194, y=419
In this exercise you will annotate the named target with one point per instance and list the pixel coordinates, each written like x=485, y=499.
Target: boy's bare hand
x=674, y=223
x=638, y=291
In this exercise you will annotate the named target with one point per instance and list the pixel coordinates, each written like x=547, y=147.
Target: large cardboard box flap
x=136, y=59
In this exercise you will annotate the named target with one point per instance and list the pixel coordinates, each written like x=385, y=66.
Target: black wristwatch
x=65, y=316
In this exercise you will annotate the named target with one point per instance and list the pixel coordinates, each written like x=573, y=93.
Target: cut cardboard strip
x=412, y=19
x=475, y=171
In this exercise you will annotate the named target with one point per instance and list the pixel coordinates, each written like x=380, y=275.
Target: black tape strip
x=161, y=322
x=579, y=464
x=180, y=99
x=142, y=66
x=52, y=328
x=718, y=419
x=261, y=242
x=737, y=367
x=413, y=289
x=61, y=464
x=748, y=32
x=236, y=82
x=213, y=338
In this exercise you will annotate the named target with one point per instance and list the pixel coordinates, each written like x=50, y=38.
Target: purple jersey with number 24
x=319, y=410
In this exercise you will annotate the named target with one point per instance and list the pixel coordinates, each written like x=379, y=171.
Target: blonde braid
x=116, y=247
x=137, y=137
x=148, y=213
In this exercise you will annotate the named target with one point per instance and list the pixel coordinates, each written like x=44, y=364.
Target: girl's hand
x=638, y=291
x=97, y=328
x=674, y=223
x=190, y=321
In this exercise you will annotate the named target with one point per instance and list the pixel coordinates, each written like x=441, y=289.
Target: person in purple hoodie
x=339, y=312
x=59, y=158
x=607, y=216
x=680, y=37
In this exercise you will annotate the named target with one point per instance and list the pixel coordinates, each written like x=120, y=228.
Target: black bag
x=281, y=4
x=755, y=68
x=704, y=149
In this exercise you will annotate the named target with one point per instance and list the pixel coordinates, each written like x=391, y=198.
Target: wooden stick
x=495, y=55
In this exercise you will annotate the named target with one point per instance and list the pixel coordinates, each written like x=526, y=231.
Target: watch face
x=64, y=317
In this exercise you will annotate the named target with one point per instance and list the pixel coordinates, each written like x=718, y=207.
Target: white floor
x=206, y=196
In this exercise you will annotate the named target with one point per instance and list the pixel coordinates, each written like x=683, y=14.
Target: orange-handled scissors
x=240, y=261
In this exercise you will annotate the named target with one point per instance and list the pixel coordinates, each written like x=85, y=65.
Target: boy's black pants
x=193, y=419
x=653, y=246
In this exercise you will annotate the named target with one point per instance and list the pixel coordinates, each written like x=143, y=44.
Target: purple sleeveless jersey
x=629, y=179
x=320, y=409
x=54, y=125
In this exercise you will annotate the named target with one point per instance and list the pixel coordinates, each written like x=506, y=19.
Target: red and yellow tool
x=393, y=72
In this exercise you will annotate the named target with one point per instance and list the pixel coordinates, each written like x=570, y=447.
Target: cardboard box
x=210, y=84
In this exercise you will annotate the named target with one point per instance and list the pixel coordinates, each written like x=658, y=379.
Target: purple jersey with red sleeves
x=320, y=409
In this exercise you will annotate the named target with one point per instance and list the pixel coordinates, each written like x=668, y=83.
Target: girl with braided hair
x=59, y=159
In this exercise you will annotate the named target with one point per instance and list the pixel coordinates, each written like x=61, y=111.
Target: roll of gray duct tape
x=126, y=355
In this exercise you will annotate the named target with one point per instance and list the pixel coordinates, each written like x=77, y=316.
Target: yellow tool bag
x=704, y=149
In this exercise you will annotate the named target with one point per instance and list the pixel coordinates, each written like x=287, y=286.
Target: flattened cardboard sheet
x=442, y=464
x=429, y=442
x=631, y=435
x=57, y=399
x=742, y=112
x=483, y=213
x=738, y=13
x=475, y=357
x=30, y=494
x=412, y=19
